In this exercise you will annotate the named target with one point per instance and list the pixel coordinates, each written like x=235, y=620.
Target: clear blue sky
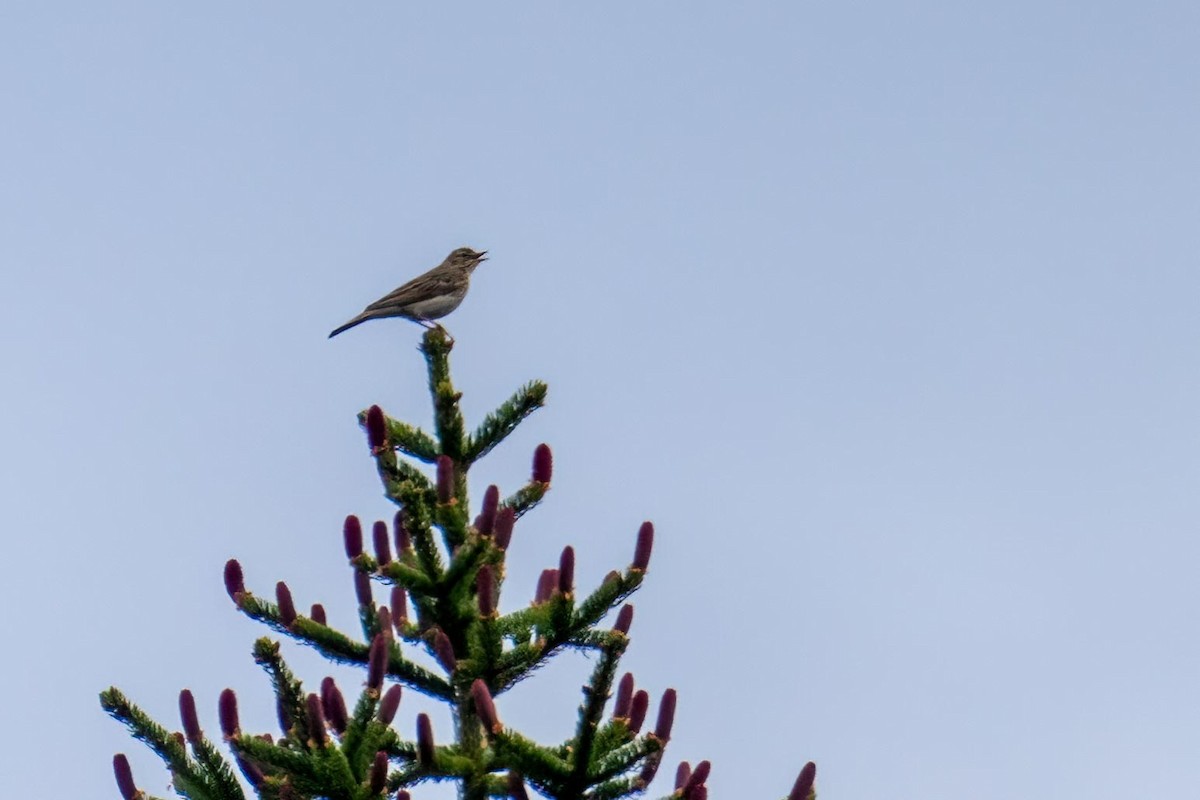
x=886, y=314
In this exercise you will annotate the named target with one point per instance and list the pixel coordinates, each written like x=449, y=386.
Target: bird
x=426, y=297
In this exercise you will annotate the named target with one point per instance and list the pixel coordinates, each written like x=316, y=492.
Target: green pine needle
x=496, y=426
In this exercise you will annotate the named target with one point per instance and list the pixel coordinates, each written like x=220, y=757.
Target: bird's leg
x=435, y=326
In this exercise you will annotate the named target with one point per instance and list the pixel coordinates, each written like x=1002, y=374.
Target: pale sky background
x=887, y=314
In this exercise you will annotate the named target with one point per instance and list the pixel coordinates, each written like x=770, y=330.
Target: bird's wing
x=420, y=287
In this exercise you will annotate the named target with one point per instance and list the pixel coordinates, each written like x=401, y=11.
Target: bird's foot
x=436, y=326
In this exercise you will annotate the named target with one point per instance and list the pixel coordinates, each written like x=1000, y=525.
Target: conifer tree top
x=441, y=567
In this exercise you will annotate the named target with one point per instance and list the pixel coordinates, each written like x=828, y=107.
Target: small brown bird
x=426, y=297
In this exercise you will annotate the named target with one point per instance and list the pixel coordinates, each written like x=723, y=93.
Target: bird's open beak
x=481, y=257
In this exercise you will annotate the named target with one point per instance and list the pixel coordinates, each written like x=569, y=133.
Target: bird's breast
x=435, y=307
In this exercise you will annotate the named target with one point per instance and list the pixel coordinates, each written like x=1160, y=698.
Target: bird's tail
x=360, y=319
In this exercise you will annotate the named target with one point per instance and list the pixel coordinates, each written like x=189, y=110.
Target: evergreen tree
x=450, y=570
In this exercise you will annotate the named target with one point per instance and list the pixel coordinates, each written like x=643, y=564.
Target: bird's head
x=466, y=258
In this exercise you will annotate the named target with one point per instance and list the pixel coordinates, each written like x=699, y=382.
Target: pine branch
x=595, y=697
x=526, y=498
x=217, y=768
x=396, y=474
x=189, y=779
x=415, y=580
x=464, y=564
x=607, y=763
x=618, y=788
x=338, y=647
x=352, y=739
x=558, y=631
x=448, y=762
x=396, y=748
x=537, y=763
x=289, y=693
x=520, y=624
x=298, y=765
x=333, y=772
x=496, y=426
x=613, y=591
x=417, y=519
x=626, y=757
x=412, y=775
x=451, y=518
x=448, y=419
x=486, y=641
x=368, y=612
x=409, y=440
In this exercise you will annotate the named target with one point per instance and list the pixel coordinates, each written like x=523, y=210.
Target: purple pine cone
x=804, y=782
x=378, y=777
x=485, y=707
x=390, y=703
x=516, y=786
x=352, y=537
x=227, y=712
x=645, y=543
x=682, y=773
x=376, y=428
x=485, y=590
x=234, y=583
x=377, y=662
x=502, y=531
x=487, y=515
x=285, y=717
x=666, y=716
x=403, y=542
x=697, y=779
x=444, y=650
x=385, y=623
x=425, y=746
x=362, y=588
x=624, y=619
x=566, y=570
x=637, y=710
x=399, y=606
x=287, y=609
x=624, y=696
x=187, y=713
x=383, y=546
x=333, y=704
x=445, y=480
x=124, y=776
x=316, y=720
x=543, y=464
